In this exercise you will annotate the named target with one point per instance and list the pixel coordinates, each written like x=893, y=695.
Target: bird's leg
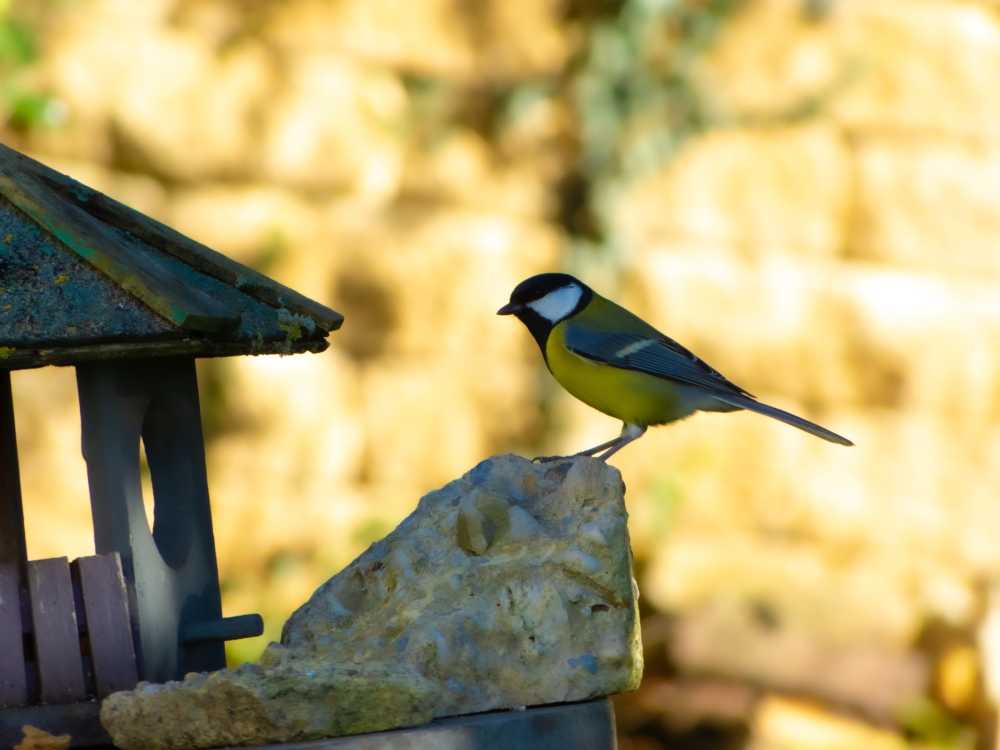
x=596, y=448
x=630, y=432
x=588, y=452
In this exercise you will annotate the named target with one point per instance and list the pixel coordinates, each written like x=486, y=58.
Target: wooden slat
x=57, y=642
x=109, y=632
x=13, y=674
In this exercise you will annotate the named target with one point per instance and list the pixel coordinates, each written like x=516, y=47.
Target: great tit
x=620, y=365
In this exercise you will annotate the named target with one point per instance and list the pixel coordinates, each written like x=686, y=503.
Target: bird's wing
x=647, y=350
x=650, y=352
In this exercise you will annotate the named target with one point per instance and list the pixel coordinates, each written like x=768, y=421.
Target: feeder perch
x=86, y=281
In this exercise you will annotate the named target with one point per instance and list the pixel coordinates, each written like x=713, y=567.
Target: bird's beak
x=509, y=309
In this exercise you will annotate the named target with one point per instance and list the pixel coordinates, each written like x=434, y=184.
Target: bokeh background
x=805, y=192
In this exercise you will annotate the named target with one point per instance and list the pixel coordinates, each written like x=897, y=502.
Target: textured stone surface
x=511, y=586
x=290, y=699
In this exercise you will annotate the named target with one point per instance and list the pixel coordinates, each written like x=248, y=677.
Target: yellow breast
x=633, y=397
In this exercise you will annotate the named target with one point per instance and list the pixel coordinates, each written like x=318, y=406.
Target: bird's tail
x=744, y=402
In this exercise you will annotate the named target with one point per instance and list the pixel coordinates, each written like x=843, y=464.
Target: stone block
x=927, y=204
x=899, y=66
x=757, y=193
x=438, y=38
x=509, y=587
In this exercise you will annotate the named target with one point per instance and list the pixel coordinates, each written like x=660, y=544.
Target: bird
x=614, y=361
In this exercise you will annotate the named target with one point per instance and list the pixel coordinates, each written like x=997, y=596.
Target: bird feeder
x=87, y=282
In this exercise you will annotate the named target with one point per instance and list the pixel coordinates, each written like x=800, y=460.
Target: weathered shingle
x=85, y=277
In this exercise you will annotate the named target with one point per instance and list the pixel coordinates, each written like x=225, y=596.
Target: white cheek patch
x=558, y=303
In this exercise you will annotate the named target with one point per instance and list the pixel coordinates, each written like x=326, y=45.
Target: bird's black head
x=542, y=301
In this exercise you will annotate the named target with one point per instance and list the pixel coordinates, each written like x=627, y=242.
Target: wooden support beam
x=173, y=569
x=12, y=545
x=13, y=558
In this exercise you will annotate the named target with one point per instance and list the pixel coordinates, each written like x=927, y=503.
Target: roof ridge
x=155, y=284
x=90, y=208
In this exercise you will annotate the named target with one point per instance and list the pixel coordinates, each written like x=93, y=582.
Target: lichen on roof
x=47, y=296
x=85, y=277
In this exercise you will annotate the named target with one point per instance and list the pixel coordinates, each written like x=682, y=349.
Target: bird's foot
x=548, y=459
x=570, y=457
x=630, y=432
x=605, y=450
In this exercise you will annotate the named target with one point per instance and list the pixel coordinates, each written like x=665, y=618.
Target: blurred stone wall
x=847, y=264
x=290, y=136
x=828, y=236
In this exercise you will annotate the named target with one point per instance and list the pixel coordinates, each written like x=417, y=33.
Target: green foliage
x=24, y=107
x=29, y=109
x=636, y=93
x=17, y=43
x=933, y=728
x=667, y=497
x=271, y=252
x=639, y=98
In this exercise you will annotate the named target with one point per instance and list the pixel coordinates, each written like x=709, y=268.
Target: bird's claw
x=548, y=459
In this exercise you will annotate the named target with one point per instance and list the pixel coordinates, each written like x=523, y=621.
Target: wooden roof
x=84, y=277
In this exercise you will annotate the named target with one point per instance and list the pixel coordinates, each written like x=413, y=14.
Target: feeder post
x=173, y=568
x=12, y=545
x=13, y=558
